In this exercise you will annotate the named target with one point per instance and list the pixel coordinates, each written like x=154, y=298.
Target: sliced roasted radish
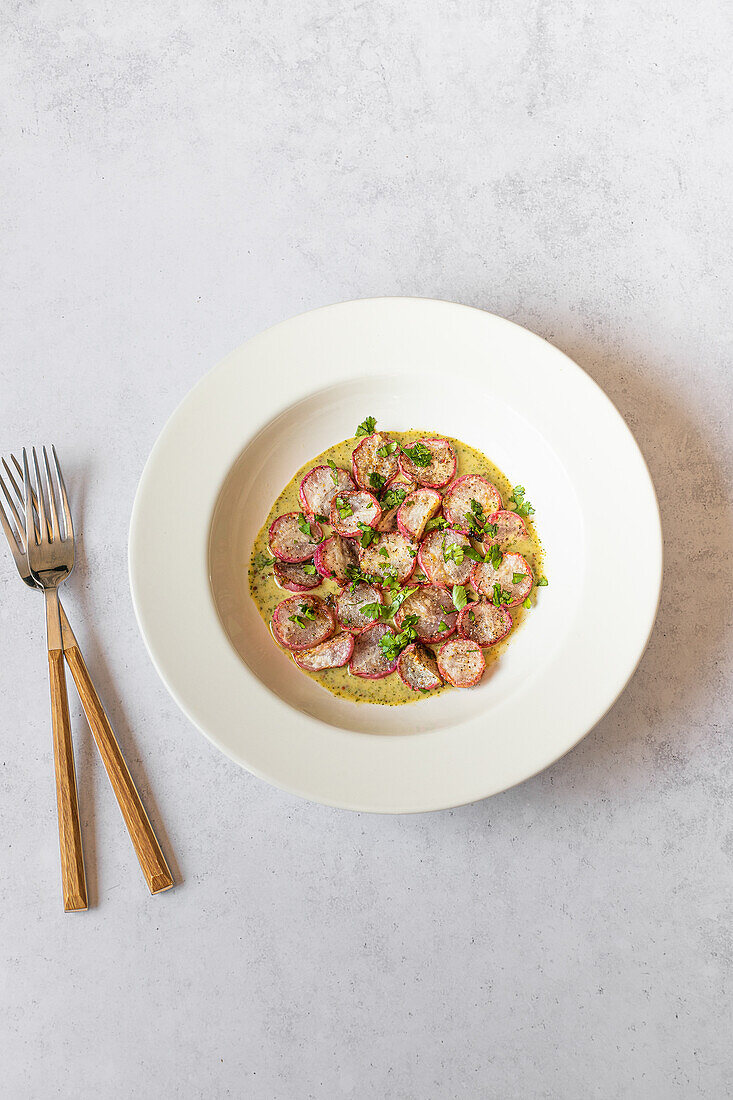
x=418, y=668
x=301, y=622
x=375, y=462
x=510, y=528
x=436, y=615
x=484, y=623
x=390, y=556
x=334, y=557
x=431, y=462
x=416, y=510
x=353, y=510
x=319, y=486
x=333, y=653
x=369, y=660
x=296, y=576
x=294, y=538
x=457, y=501
x=442, y=557
x=461, y=662
x=350, y=604
x=509, y=583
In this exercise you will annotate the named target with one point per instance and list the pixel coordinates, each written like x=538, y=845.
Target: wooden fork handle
x=144, y=840
x=73, y=880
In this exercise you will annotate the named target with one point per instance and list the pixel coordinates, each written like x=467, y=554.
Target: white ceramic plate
x=299, y=387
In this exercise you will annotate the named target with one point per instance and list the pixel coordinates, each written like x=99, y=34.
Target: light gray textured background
x=178, y=176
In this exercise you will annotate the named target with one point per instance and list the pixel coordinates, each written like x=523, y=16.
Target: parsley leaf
x=387, y=449
x=393, y=644
x=376, y=481
x=371, y=610
x=304, y=525
x=460, y=599
x=262, y=562
x=309, y=568
x=344, y=508
x=368, y=534
x=500, y=596
x=334, y=471
x=521, y=506
x=527, y=603
x=436, y=524
x=320, y=518
x=494, y=557
x=393, y=498
x=517, y=578
x=419, y=455
x=383, y=552
x=542, y=582
x=469, y=552
x=297, y=619
x=367, y=426
x=442, y=627
x=455, y=552
x=307, y=612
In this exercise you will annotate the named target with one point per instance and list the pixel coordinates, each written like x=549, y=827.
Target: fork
x=144, y=841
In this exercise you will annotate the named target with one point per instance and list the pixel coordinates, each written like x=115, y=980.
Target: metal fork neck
x=53, y=619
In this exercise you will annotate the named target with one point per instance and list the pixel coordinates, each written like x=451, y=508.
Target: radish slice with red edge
x=483, y=623
x=293, y=537
x=352, y=511
x=389, y=557
x=333, y=653
x=457, y=500
x=440, y=467
x=350, y=602
x=461, y=662
x=335, y=557
x=296, y=576
x=367, y=461
x=418, y=669
x=442, y=564
x=416, y=510
x=510, y=528
x=513, y=576
x=369, y=660
x=319, y=486
x=436, y=615
x=301, y=622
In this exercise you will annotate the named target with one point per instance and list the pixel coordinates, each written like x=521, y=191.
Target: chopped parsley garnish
x=419, y=455
x=517, y=578
x=460, y=599
x=436, y=524
x=367, y=426
x=542, y=582
x=262, y=562
x=383, y=552
x=309, y=568
x=320, y=518
x=376, y=481
x=304, y=525
x=455, y=552
x=355, y=575
x=527, y=603
x=387, y=449
x=393, y=644
x=307, y=612
x=297, y=619
x=368, y=534
x=490, y=530
x=469, y=552
x=442, y=627
x=500, y=596
x=393, y=498
x=371, y=610
x=334, y=471
x=344, y=508
x=521, y=506
x=399, y=595
x=494, y=557
x=412, y=551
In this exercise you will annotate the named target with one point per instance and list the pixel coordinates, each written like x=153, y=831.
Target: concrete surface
x=177, y=176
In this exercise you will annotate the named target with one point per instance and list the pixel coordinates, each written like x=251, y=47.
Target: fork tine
x=30, y=527
x=41, y=497
x=19, y=491
x=56, y=530
x=19, y=523
x=68, y=525
x=14, y=534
